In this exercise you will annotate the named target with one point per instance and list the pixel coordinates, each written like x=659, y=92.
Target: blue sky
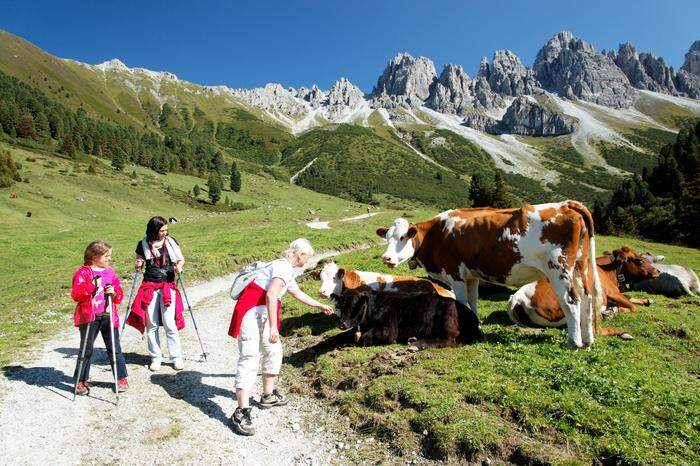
x=247, y=44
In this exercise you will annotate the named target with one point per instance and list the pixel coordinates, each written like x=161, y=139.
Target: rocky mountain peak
x=452, y=91
x=508, y=75
x=407, y=79
x=343, y=94
x=572, y=68
x=484, y=68
x=692, y=59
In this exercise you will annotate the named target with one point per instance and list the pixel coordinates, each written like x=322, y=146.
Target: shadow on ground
x=188, y=386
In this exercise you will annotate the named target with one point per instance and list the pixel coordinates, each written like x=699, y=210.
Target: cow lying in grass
x=673, y=281
x=535, y=304
x=391, y=309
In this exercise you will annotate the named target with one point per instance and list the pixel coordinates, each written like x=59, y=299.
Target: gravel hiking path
x=165, y=417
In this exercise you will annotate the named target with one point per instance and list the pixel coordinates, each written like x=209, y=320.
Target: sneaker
x=273, y=399
x=83, y=389
x=122, y=384
x=241, y=422
x=155, y=365
x=178, y=364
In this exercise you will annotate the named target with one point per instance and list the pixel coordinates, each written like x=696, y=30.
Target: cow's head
x=635, y=267
x=331, y=280
x=653, y=258
x=352, y=308
x=400, y=238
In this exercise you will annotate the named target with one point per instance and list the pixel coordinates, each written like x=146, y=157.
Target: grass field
x=520, y=396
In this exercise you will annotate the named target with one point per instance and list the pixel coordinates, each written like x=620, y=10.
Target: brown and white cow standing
x=511, y=247
x=536, y=304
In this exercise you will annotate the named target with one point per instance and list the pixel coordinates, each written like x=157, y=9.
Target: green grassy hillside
x=521, y=396
x=356, y=161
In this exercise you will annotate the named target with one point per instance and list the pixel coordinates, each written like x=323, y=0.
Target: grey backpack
x=244, y=277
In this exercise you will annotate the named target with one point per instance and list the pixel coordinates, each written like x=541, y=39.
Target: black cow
x=385, y=318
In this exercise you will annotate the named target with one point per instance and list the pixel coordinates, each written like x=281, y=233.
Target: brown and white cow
x=511, y=247
x=536, y=303
x=390, y=309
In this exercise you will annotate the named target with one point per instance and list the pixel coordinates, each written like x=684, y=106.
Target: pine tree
x=118, y=160
x=480, y=191
x=500, y=198
x=67, y=145
x=195, y=191
x=214, y=185
x=9, y=116
x=26, y=127
x=235, y=178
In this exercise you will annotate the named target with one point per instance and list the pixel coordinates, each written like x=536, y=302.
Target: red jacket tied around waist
x=137, y=317
x=253, y=295
x=83, y=290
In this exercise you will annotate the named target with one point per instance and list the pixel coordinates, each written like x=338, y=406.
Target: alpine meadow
x=470, y=181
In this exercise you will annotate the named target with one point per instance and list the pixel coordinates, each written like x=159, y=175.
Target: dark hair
x=153, y=227
x=94, y=250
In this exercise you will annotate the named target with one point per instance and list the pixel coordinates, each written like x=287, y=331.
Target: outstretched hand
x=326, y=309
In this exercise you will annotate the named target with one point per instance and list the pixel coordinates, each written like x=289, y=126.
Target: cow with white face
x=510, y=247
x=673, y=281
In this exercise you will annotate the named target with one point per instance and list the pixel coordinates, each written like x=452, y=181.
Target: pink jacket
x=144, y=296
x=83, y=288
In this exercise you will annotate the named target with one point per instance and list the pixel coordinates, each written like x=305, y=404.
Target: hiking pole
x=131, y=298
x=81, y=359
x=114, y=356
x=182, y=284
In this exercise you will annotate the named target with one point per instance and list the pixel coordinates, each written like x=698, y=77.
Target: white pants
x=156, y=310
x=253, y=339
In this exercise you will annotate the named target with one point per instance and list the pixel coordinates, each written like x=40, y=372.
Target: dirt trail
x=166, y=417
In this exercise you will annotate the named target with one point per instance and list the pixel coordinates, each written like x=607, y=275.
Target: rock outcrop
x=507, y=75
x=406, y=82
x=313, y=96
x=527, y=117
x=452, y=93
x=572, y=68
x=480, y=121
x=688, y=77
x=272, y=98
x=484, y=97
x=644, y=70
x=343, y=95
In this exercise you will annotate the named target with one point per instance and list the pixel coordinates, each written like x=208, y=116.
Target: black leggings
x=99, y=325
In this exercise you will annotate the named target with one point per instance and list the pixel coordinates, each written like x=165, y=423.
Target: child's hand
x=274, y=335
x=326, y=309
x=109, y=289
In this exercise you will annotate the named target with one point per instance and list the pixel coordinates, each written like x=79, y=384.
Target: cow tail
x=597, y=292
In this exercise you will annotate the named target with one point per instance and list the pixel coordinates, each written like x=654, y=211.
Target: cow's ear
x=340, y=274
x=412, y=231
x=607, y=253
x=619, y=255
x=381, y=231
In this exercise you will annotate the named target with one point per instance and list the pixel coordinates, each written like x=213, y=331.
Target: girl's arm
x=82, y=287
x=309, y=301
x=271, y=298
x=118, y=291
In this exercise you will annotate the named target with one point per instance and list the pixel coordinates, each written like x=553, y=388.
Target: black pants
x=90, y=331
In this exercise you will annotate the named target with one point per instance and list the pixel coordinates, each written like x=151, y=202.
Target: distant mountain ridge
x=568, y=123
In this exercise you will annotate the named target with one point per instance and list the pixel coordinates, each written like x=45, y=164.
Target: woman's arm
x=309, y=301
x=271, y=298
x=178, y=265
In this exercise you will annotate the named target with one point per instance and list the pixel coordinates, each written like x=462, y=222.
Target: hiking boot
x=122, y=384
x=178, y=364
x=273, y=399
x=241, y=422
x=155, y=365
x=83, y=389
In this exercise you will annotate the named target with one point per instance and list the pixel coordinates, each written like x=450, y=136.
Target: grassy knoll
x=71, y=207
x=520, y=396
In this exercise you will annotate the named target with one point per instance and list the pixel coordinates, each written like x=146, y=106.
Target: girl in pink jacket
x=92, y=283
